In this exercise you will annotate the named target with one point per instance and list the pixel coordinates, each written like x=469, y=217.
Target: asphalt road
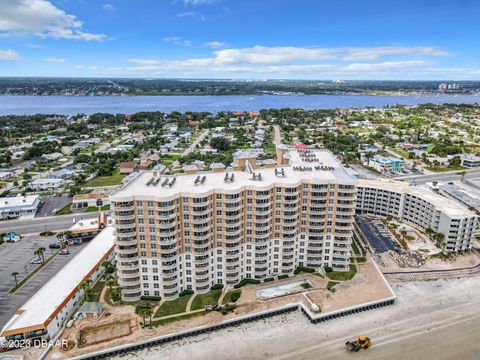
x=15, y=256
x=37, y=225
x=445, y=176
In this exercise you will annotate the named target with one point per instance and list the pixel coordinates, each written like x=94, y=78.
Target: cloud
x=79, y=66
x=43, y=19
x=199, y=2
x=34, y=46
x=177, y=41
x=355, y=62
x=109, y=7
x=9, y=54
x=55, y=60
x=215, y=44
x=192, y=14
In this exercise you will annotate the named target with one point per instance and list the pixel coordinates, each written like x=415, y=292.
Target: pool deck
x=367, y=286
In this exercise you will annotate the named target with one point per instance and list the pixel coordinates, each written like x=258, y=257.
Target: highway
x=37, y=225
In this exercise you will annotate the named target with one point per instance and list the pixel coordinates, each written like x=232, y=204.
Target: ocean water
x=71, y=105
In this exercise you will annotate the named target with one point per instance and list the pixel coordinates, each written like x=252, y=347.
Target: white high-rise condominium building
x=255, y=220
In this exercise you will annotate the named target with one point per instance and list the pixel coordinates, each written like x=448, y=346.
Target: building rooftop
x=298, y=170
x=447, y=206
x=43, y=306
x=17, y=201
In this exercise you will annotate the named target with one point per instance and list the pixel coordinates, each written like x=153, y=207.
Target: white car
x=35, y=261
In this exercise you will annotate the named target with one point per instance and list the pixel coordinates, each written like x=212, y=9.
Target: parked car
x=54, y=246
x=64, y=252
x=35, y=261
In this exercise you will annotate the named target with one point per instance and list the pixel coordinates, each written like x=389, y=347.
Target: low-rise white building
x=471, y=160
x=420, y=208
x=45, y=313
x=19, y=206
x=46, y=184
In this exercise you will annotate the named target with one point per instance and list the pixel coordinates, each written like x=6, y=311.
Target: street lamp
x=26, y=270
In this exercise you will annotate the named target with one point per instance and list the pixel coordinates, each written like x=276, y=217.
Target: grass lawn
x=172, y=307
x=202, y=300
x=343, y=275
x=67, y=209
x=446, y=168
x=114, y=179
x=331, y=285
x=186, y=316
x=231, y=296
x=169, y=157
x=97, y=290
x=355, y=248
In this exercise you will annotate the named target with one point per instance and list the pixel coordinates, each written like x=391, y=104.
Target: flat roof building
x=257, y=219
x=421, y=208
x=19, y=206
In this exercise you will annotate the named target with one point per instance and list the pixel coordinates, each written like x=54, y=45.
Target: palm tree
x=110, y=282
x=144, y=310
x=15, y=274
x=87, y=290
x=41, y=250
x=404, y=233
x=462, y=174
x=439, y=238
x=39, y=254
x=429, y=232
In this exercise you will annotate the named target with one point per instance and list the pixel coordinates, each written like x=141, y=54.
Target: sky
x=242, y=39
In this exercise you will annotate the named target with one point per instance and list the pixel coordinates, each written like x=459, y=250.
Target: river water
x=70, y=105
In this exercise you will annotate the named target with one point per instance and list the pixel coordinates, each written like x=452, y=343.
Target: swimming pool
x=282, y=289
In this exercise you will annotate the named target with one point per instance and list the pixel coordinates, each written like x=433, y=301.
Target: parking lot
x=378, y=235
x=15, y=257
x=52, y=204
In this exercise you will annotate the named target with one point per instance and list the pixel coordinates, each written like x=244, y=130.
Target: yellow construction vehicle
x=363, y=342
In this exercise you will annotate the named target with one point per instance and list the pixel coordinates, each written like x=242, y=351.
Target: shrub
x=331, y=285
x=150, y=298
x=303, y=269
x=217, y=287
x=280, y=277
x=306, y=285
x=328, y=268
x=235, y=296
x=186, y=292
x=246, y=281
x=268, y=279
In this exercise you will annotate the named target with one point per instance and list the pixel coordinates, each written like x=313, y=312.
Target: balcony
x=123, y=217
x=126, y=251
x=124, y=282
x=129, y=234
x=167, y=224
x=126, y=242
x=201, y=237
x=124, y=208
x=167, y=216
x=129, y=274
x=166, y=208
x=201, y=212
x=130, y=225
x=203, y=220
